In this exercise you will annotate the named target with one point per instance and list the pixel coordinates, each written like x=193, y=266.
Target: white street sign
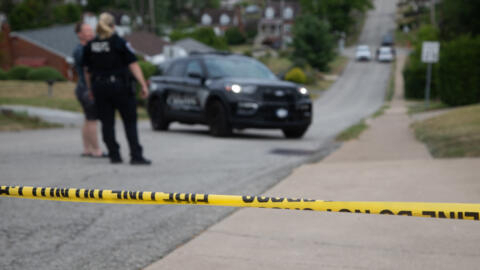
x=430, y=51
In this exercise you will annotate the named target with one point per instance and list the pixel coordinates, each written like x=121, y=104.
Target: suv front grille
x=276, y=94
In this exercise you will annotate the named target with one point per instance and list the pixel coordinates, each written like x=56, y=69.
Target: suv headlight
x=241, y=89
x=303, y=91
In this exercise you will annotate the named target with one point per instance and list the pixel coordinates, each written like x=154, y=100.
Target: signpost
x=430, y=53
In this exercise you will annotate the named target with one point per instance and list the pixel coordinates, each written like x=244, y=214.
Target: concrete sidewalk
x=385, y=164
x=61, y=117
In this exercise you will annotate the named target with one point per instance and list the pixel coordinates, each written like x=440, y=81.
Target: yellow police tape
x=419, y=209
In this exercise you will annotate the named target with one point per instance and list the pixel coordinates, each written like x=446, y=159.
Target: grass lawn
x=241, y=49
x=36, y=94
x=403, y=39
x=338, y=65
x=11, y=121
x=352, y=38
x=453, y=134
x=352, y=132
x=277, y=64
x=336, y=68
x=419, y=107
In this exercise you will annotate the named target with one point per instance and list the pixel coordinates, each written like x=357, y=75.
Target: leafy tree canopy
x=459, y=17
x=313, y=42
x=337, y=12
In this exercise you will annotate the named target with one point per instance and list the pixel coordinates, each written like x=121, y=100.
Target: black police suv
x=225, y=92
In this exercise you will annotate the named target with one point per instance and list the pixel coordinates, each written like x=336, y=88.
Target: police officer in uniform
x=108, y=60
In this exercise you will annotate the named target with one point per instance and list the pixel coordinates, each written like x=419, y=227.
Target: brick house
x=275, y=27
x=51, y=46
x=222, y=19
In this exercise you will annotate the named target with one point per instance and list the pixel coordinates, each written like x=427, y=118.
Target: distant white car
x=385, y=54
x=363, y=53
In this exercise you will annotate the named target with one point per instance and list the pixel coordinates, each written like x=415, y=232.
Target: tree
x=205, y=35
x=337, y=12
x=313, y=42
x=29, y=14
x=459, y=17
x=234, y=36
x=96, y=6
x=67, y=13
x=32, y=14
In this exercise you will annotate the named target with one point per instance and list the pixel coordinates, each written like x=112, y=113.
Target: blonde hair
x=105, y=25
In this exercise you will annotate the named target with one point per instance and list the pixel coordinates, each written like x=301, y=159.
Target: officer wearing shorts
x=108, y=59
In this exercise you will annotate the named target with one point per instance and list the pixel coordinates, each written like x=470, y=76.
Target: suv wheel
x=157, y=115
x=294, y=133
x=218, y=120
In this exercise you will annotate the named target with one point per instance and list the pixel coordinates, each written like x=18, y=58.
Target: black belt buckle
x=112, y=78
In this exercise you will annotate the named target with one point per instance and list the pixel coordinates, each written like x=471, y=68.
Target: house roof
x=191, y=45
x=146, y=43
x=60, y=39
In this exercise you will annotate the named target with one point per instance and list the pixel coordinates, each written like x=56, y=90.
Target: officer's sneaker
x=140, y=161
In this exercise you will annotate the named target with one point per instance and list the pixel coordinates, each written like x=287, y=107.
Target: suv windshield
x=237, y=67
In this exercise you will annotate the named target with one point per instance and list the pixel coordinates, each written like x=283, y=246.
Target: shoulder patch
x=129, y=47
x=100, y=46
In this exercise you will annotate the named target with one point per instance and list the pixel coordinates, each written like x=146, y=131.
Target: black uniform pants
x=115, y=94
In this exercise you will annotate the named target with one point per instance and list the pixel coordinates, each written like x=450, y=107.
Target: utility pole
x=142, y=13
x=152, y=16
x=433, y=20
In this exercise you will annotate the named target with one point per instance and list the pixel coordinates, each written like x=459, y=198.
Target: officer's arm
x=137, y=73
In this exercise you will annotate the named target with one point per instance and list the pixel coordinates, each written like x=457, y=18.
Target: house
x=149, y=45
x=222, y=19
x=51, y=46
x=185, y=47
x=275, y=27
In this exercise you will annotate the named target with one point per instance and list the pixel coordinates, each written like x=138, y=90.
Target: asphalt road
x=53, y=235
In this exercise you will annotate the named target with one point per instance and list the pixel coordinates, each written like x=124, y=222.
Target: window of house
x=224, y=19
x=206, y=19
x=288, y=13
x=269, y=13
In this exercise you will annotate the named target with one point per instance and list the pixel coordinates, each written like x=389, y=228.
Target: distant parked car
x=388, y=41
x=363, y=53
x=385, y=54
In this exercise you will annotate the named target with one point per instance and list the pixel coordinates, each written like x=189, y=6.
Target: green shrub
x=67, y=13
x=248, y=53
x=415, y=73
x=234, y=36
x=459, y=71
x=18, y=73
x=296, y=75
x=3, y=75
x=148, y=69
x=206, y=35
x=311, y=75
x=44, y=74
